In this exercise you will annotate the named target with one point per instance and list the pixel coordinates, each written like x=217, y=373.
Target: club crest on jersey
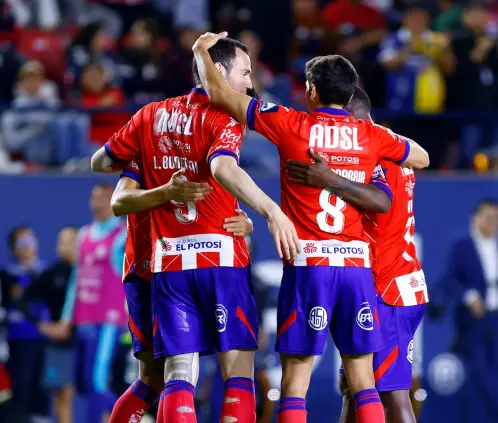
x=365, y=317
x=409, y=188
x=265, y=107
x=221, y=317
x=165, y=245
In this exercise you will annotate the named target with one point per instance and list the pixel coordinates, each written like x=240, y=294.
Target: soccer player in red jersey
x=398, y=276
x=202, y=295
x=137, y=276
x=329, y=285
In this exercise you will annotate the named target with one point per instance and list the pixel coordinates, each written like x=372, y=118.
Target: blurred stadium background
x=73, y=71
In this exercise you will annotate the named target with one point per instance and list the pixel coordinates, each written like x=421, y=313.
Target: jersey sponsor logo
x=409, y=188
x=346, y=251
x=221, y=317
x=173, y=162
x=317, y=318
x=166, y=144
x=198, y=245
x=310, y=248
x=174, y=121
x=409, y=352
x=342, y=159
x=134, y=165
x=229, y=138
x=265, y=107
x=352, y=175
x=334, y=138
x=364, y=319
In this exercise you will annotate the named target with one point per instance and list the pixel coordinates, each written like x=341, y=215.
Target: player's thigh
x=139, y=301
x=229, y=308
x=393, y=364
x=354, y=326
x=306, y=299
x=178, y=323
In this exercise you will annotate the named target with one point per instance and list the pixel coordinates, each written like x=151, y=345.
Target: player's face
x=239, y=77
x=26, y=245
x=487, y=220
x=100, y=200
x=66, y=244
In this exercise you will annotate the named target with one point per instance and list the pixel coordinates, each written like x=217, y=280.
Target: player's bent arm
x=365, y=197
x=101, y=162
x=237, y=182
x=217, y=88
x=417, y=158
x=129, y=198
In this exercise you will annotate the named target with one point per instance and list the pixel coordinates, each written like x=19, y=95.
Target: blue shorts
x=204, y=310
x=59, y=367
x=393, y=364
x=314, y=300
x=138, y=294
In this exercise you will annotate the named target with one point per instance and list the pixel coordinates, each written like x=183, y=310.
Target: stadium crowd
x=72, y=71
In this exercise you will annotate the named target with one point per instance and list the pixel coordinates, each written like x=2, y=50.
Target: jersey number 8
x=331, y=211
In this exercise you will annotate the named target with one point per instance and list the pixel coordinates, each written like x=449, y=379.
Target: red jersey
x=331, y=231
x=185, y=132
x=138, y=247
x=398, y=276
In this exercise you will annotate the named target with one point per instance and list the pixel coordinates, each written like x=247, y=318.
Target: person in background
x=449, y=18
x=26, y=343
x=470, y=280
x=5, y=380
x=97, y=93
x=95, y=304
x=50, y=287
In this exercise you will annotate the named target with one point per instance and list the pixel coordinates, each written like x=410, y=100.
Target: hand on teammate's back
x=285, y=235
x=317, y=174
x=181, y=190
x=239, y=225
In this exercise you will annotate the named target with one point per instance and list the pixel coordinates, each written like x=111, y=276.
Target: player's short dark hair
x=224, y=52
x=360, y=99
x=485, y=202
x=14, y=234
x=334, y=77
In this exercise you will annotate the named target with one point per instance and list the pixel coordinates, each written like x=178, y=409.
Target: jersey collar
x=199, y=91
x=332, y=111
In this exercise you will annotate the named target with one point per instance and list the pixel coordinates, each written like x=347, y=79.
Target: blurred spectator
x=34, y=89
x=309, y=30
x=34, y=13
x=414, y=57
x=449, y=18
x=191, y=13
x=97, y=93
x=261, y=76
x=180, y=60
x=470, y=281
x=474, y=82
x=50, y=288
x=26, y=344
x=145, y=79
x=92, y=44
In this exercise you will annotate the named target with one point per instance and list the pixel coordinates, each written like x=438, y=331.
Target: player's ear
x=221, y=68
x=314, y=94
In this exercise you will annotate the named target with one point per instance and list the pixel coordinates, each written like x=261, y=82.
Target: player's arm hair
x=129, y=198
x=237, y=182
x=217, y=88
x=418, y=158
x=101, y=162
x=366, y=197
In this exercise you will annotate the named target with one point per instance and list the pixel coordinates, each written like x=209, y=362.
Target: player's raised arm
x=375, y=196
x=128, y=197
x=212, y=80
x=235, y=180
x=418, y=158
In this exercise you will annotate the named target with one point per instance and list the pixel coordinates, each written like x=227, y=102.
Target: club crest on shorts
x=221, y=317
x=365, y=317
x=318, y=318
x=409, y=352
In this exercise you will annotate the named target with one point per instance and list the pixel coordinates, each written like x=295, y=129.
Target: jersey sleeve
x=379, y=180
x=392, y=146
x=132, y=170
x=227, y=134
x=124, y=145
x=270, y=120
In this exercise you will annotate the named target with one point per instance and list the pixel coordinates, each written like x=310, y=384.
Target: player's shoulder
x=218, y=115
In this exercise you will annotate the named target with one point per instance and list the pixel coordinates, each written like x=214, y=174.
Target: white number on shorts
x=331, y=211
x=182, y=215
